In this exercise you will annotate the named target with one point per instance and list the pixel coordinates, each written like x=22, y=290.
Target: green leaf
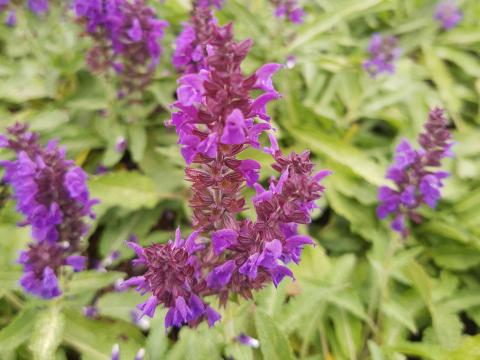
x=273, y=343
x=137, y=141
x=94, y=339
x=47, y=333
x=448, y=327
x=92, y=280
x=469, y=349
x=17, y=331
x=130, y=190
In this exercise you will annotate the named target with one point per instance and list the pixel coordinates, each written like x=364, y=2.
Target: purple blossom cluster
x=190, y=51
x=384, y=51
x=413, y=173
x=217, y=119
x=52, y=194
x=288, y=9
x=448, y=14
x=209, y=3
x=126, y=36
x=38, y=7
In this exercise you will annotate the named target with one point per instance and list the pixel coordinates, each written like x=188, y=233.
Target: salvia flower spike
x=126, y=36
x=448, y=14
x=288, y=9
x=217, y=119
x=51, y=193
x=190, y=51
x=417, y=182
x=384, y=51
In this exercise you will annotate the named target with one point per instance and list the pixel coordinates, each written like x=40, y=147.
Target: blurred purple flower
x=126, y=36
x=384, y=51
x=51, y=193
x=448, y=14
x=416, y=181
x=289, y=9
x=248, y=341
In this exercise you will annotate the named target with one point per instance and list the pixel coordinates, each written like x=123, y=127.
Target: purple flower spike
x=416, y=181
x=384, y=52
x=190, y=51
x=448, y=14
x=52, y=195
x=126, y=37
x=216, y=118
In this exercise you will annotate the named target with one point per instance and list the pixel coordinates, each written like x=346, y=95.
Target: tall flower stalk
x=416, y=180
x=216, y=120
x=51, y=193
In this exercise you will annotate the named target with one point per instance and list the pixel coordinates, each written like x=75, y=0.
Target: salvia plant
x=417, y=182
x=216, y=120
x=51, y=193
x=126, y=39
x=207, y=241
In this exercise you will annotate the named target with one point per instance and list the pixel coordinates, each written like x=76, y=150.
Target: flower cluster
x=209, y=3
x=190, y=52
x=38, y=7
x=413, y=174
x=448, y=14
x=126, y=35
x=288, y=9
x=384, y=51
x=216, y=120
x=51, y=193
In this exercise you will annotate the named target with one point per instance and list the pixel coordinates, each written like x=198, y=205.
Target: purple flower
x=11, y=19
x=221, y=275
x=248, y=341
x=173, y=279
x=289, y=9
x=448, y=14
x=222, y=239
x=140, y=354
x=121, y=144
x=209, y=3
x=384, y=51
x=38, y=6
x=52, y=195
x=416, y=182
x=115, y=352
x=126, y=37
x=190, y=51
x=90, y=311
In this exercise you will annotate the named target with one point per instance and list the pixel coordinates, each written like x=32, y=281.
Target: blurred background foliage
x=361, y=293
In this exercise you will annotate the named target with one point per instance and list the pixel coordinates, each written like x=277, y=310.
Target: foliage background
x=360, y=293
